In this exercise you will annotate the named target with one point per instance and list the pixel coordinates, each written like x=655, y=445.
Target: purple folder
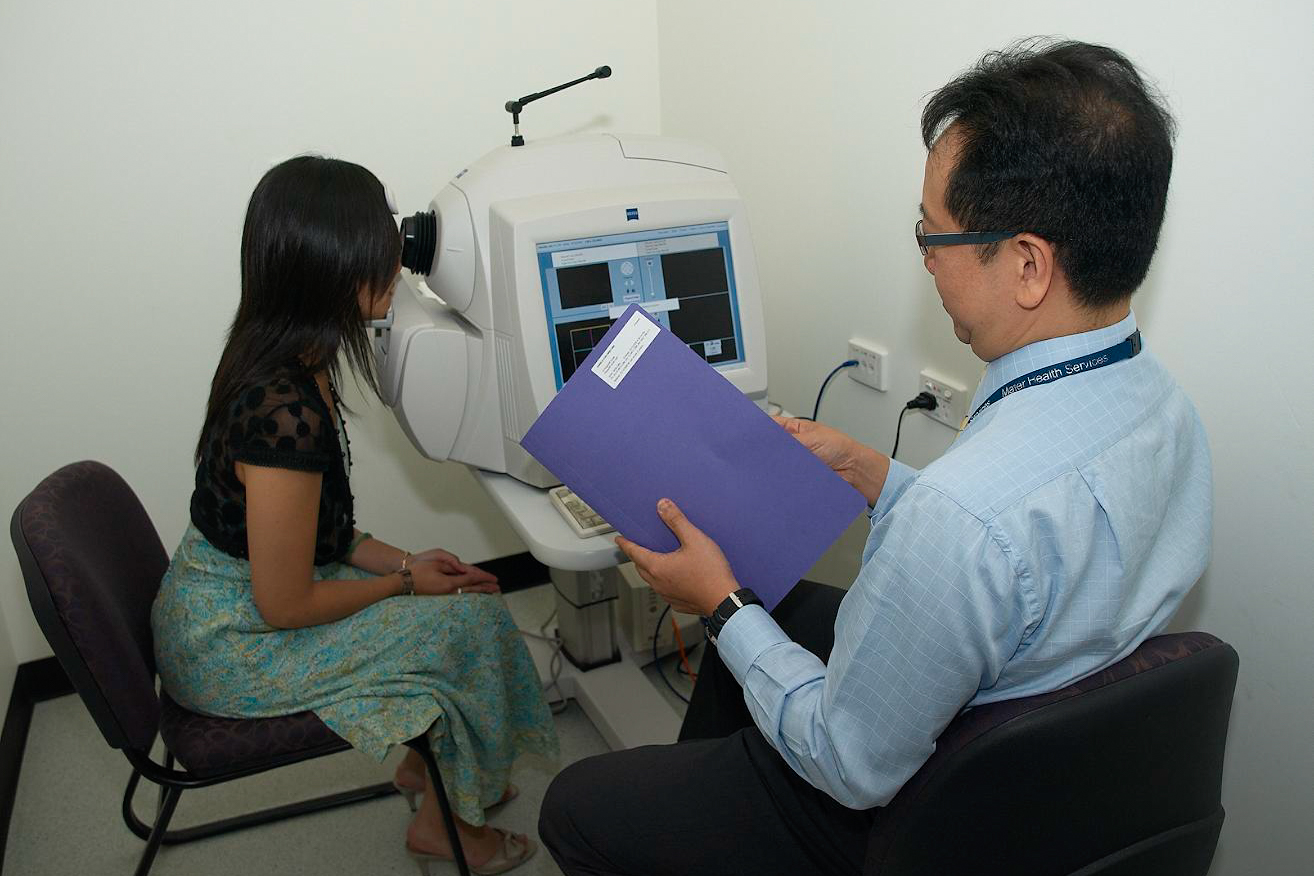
x=672, y=426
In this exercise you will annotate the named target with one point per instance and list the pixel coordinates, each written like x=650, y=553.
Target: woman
x=274, y=602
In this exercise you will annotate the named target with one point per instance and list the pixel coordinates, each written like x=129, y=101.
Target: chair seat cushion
x=208, y=746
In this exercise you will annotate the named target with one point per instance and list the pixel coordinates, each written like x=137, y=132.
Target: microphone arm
x=514, y=107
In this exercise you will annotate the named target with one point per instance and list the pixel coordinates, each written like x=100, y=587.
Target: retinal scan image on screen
x=584, y=286
x=683, y=276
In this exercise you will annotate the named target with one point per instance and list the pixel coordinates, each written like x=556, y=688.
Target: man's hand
x=696, y=577
x=448, y=563
x=852, y=460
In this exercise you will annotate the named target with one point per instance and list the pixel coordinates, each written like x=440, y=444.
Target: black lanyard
x=1049, y=374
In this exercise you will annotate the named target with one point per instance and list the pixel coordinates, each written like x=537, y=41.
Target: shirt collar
x=1042, y=354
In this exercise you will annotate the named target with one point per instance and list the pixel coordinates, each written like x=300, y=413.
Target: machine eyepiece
x=419, y=239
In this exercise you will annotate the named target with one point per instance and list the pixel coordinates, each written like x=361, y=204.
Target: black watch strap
x=732, y=603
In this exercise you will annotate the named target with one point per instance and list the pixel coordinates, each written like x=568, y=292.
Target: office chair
x=1118, y=774
x=92, y=562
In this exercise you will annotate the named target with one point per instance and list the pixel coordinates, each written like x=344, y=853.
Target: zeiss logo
x=631, y=214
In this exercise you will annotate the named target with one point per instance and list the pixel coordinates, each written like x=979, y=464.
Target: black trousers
x=719, y=801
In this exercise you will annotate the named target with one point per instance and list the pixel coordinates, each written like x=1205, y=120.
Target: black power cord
x=816, y=408
x=924, y=401
x=656, y=633
x=689, y=653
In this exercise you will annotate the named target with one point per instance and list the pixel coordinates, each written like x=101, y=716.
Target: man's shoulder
x=1043, y=439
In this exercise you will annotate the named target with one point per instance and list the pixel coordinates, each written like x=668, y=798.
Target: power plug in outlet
x=951, y=400
x=871, y=363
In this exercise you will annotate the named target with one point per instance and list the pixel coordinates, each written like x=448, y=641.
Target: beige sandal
x=516, y=849
x=411, y=794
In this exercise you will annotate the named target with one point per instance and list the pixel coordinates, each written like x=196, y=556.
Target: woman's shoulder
x=287, y=386
x=281, y=414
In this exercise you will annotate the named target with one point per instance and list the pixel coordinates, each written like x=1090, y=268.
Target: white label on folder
x=617, y=360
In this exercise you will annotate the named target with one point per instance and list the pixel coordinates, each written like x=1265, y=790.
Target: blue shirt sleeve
x=936, y=612
x=897, y=481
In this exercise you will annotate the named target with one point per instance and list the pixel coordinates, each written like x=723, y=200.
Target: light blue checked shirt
x=1060, y=530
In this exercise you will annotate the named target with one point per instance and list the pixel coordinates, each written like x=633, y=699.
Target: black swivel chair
x=1118, y=774
x=92, y=562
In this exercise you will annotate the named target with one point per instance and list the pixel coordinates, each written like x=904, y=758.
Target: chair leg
x=168, y=802
x=421, y=745
x=159, y=803
x=130, y=818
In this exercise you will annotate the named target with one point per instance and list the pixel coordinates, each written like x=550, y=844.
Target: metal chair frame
x=172, y=782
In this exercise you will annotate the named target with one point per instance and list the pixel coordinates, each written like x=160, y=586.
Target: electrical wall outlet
x=871, y=363
x=951, y=398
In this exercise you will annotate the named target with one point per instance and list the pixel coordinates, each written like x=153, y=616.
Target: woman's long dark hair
x=317, y=231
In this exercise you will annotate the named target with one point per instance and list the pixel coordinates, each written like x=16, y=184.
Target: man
x=1059, y=531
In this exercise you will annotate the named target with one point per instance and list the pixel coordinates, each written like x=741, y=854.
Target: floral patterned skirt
x=454, y=667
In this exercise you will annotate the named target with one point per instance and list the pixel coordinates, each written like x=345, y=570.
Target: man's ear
x=1034, y=257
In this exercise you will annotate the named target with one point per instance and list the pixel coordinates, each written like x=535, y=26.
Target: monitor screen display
x=683, y=276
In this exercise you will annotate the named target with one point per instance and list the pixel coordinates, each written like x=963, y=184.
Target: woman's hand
x=449, y=563
x=865, y=469
x=445, y=559
x=696, y=577
x=443, y=577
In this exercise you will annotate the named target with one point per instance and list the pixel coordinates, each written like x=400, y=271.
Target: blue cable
x=816, y=409
x=657, y=630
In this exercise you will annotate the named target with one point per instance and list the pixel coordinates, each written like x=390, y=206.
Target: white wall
x=132, y=136
x=816, y=106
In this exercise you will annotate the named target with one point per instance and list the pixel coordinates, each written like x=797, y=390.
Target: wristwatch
x=732, y=603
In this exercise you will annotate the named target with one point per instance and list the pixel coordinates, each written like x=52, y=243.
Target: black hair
x=1064, y=140
x=317, y=230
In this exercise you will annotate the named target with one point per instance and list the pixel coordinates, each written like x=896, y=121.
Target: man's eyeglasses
x=959, y=238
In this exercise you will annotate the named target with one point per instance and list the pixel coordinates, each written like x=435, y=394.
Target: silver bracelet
x=408, y=580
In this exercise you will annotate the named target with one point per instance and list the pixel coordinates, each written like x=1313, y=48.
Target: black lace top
x=282, y=423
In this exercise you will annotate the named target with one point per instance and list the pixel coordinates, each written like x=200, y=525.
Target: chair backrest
x=92, y=562
x=1117, y=774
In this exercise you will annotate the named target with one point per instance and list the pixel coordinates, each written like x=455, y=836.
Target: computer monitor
x=684, y=277
x=536, y=251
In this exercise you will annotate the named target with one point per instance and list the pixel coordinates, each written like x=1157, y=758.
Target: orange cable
x=679, y=644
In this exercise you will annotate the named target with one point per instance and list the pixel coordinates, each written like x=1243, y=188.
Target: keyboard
x=583, y=520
